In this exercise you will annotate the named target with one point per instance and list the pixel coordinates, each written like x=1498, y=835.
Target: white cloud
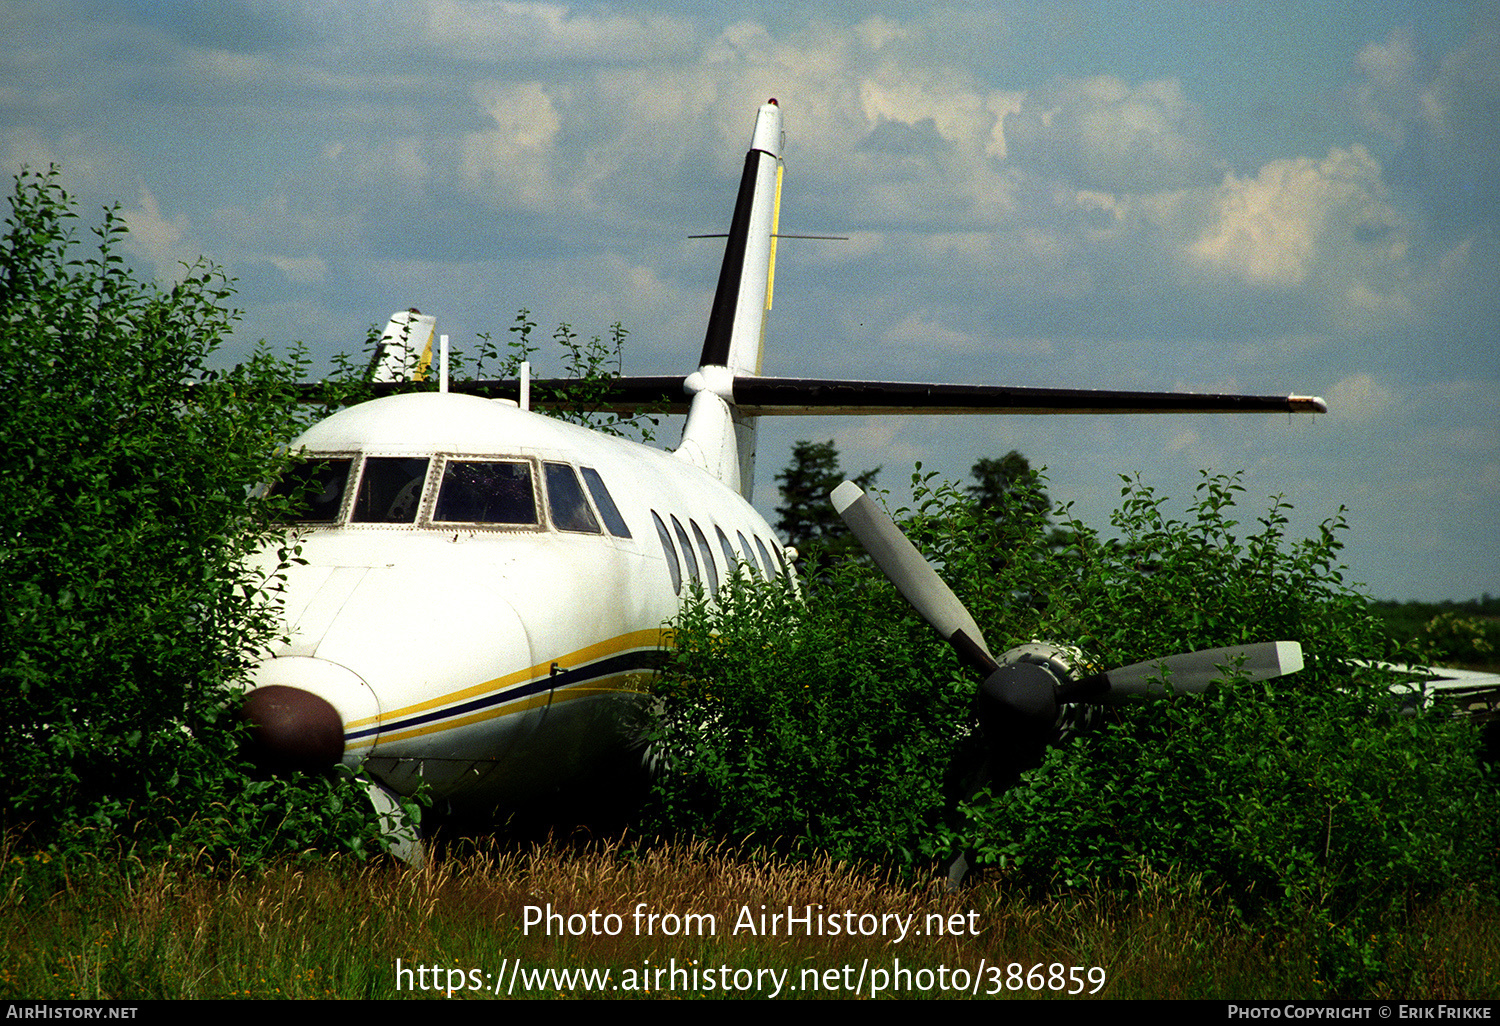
x=1089, y=187
x=874, y=33
x=966, y=117
x=84, y=164
x=1444, y=114
x=302, y=270
x=1183, y=440
x=883, y=442
x=163, y=243
x=1359, y=398
x=26, y=149
x=508, y=31
x=514, y=164
x=1105, y=134
x=1401, y=90
x=1295, y=217
x=1393, y=94
x=609, y=136
x=291, y=233
x=919, y=330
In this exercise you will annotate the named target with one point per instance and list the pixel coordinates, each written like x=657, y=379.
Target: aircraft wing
x=1471, y=694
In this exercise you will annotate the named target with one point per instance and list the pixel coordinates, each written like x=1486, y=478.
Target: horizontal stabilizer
x=765, y=397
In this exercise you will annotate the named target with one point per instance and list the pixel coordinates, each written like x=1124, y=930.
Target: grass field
x=478, y=925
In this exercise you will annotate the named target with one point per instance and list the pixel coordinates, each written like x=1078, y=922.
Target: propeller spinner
x=1018, y=699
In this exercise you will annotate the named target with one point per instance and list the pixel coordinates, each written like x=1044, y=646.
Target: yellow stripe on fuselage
x=622, y=643
x=584, y=689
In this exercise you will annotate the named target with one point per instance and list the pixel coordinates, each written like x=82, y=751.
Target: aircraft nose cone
x=293, y=729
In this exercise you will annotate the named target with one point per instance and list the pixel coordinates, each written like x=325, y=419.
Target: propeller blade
x=1190, y=672
x=1017, y=701
x=912, y=575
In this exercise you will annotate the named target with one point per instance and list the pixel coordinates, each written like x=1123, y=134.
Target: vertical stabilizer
x=737, y=322
x=716, y=437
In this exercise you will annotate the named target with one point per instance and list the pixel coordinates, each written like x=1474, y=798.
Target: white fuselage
x=496, y=660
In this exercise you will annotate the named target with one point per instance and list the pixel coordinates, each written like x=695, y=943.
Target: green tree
x=806, y=517
x=127, y=505
x=1006, y=484
x=1010, y=491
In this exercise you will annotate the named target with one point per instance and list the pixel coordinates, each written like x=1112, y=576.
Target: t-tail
x=718, y=436
x=727, y=392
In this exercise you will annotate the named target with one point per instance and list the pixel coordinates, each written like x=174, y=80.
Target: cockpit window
x=485, y=492
x=606, y=503
x=316, y=489
x=570, y=510
x=390, y=490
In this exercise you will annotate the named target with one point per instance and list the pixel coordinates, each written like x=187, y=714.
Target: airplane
x=483, y=591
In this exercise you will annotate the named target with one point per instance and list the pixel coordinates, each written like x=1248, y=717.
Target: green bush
x=127, y=506
x=838, y=721
x=802, y=721
x=1306, y=789
x=1311, y=799
x=1464, y=634
x=1456, y=638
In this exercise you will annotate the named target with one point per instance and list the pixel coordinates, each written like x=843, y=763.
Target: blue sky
x=1229, y=196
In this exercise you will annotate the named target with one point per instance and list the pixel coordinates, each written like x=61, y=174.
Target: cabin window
x=687, y=550
x=748, y=553
x=606, y=504
x=730, y=559
x=390, y=490
x=485, y=492
x=671, y=553
x=709, y=569
x=765, y=558
x=570, y=510
x=316, y=489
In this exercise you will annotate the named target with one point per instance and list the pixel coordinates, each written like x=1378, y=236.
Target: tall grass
x=334, y=929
